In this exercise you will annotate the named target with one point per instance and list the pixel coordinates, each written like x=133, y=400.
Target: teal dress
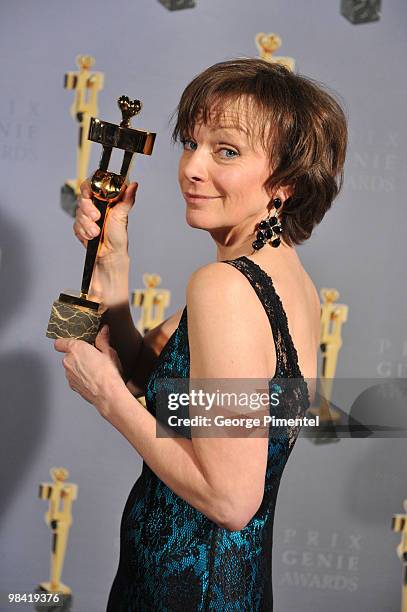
x=174, y=558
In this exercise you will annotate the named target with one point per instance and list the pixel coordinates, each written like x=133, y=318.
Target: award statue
x=59, y=519
x=267, y=44
x=152, y=301
x=78, y=314
x=333, y=316
x=86, y=85
x=331, y=419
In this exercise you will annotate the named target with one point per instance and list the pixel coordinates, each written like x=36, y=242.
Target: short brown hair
x=301, y=125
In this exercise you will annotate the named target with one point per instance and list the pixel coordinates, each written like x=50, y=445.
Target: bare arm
x=222, y=477
x=183, y=473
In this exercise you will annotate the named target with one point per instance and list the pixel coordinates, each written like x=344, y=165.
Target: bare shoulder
x=226, y=324
x=219, y=288
x=216, y=272
x=217, y=279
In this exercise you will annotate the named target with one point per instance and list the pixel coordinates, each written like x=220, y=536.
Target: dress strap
x=286, y=353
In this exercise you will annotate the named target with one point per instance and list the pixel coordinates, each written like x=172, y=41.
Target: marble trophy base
x=68, y=199
x=62, y=588
x=64, y=594
x=75, y=317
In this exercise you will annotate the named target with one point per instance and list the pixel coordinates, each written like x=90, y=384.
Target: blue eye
x=235, y=153
x=190, y=145
x=186, y=141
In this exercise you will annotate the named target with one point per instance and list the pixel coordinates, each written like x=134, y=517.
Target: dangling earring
x=269, y=229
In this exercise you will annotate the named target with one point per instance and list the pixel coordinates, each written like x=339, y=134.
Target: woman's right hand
x=115, y=240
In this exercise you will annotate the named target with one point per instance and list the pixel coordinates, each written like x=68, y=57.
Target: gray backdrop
x=336, y=500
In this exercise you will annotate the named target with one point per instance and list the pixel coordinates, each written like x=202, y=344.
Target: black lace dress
x=172, y=557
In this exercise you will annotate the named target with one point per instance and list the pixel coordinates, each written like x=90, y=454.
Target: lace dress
x=172, y=557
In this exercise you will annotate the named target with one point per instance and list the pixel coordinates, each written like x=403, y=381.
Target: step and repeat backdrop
x=61, y=63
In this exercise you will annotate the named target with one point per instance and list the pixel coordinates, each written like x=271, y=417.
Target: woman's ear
x=285, y=192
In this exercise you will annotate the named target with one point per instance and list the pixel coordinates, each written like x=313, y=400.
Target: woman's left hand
x=92, y=371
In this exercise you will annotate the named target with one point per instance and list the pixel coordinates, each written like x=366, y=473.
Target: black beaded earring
x=269, y=229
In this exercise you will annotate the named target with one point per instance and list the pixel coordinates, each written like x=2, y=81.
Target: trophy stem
x=127, y=159
x=105, y=159
x=93, y=247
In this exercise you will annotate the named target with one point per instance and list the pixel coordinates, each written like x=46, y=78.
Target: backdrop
x=334, y=511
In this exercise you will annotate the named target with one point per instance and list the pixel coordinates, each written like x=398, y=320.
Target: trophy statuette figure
x=333, y=316
x=152, y=300
x=86, y=84
x=78, y=314
x=61, y=495
x=267, y=44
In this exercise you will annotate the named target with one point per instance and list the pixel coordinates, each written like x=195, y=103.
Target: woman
x=262, y=160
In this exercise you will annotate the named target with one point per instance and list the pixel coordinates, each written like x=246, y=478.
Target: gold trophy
x=399, y=525
x=78, y=314
x=86, y=85
x=152, y=301
x=59, y=519
x=333, y=316
x=331, y=420
x=267, y=44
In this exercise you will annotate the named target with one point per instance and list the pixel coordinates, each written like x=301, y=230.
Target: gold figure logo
x=59, y=519
x=86, y=85
x=152, y=302
x=333, y=316
x=267, y=44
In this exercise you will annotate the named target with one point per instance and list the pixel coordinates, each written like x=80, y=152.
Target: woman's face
x=221, y=176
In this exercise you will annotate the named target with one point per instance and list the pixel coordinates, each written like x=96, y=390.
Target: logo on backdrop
x=392, y=358
x=19, y=129
x=321, y=560
x=373, y=161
